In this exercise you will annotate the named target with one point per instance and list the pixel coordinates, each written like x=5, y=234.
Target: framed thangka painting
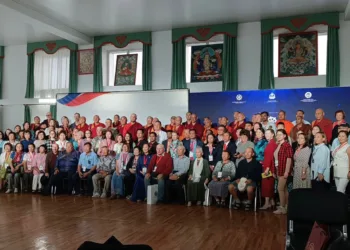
x=86, y=61
x=298, y=54
x=125, y=72
x=206, y=63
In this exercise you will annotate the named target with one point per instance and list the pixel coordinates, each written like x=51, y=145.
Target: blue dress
x=259, y=149
x=139, y=192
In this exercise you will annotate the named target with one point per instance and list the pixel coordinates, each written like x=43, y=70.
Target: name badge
x=155, y=169
x=84, y=169
x=191, y=154
x=28, y=167
x=220, y=174
x=124, y=167
x=41, y=168
x=276, y=163
x=144, y=170
x=211, y=158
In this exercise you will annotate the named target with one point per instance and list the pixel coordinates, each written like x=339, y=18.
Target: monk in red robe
x=36, y=125
x=123, y=122
x=178, y=127
x=116, y=122
x=325, y=124
x=208, y=126
x=224, y=122
x=239, y=123
x=171, y=126
x=287, y=124
x=148, y=126
x=82, y=124
x=132, y=127
x=188, y=119
x=196, y=126
x=95, y=125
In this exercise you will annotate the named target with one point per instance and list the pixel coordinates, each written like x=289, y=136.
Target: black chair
x=307, y=206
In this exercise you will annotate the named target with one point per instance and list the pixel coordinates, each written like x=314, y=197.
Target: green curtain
x=98, y=74
x=333, y=58
x=229, y=65
x=1, y=74
x=27, y=117
x=73, y=72
x=178, y=75
x=147, y=67
x=30, y=77
x=53, y=111
x=267, y=80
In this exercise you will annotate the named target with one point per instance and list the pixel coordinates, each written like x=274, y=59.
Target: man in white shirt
x=161, y=135
x=265, y=121
x=302, y=114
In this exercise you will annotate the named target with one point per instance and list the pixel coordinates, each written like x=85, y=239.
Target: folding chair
x=185, y=191
x=257, y=192
x=307, y=206
x=207, y=197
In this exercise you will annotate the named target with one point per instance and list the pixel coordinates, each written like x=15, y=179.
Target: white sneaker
x=103, y=196
x=189, y=204
x=16, y=190
x=8, y=191
x=96, y=195
x=280, y=210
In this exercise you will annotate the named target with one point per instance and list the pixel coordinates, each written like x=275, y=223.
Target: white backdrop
x=162, y=104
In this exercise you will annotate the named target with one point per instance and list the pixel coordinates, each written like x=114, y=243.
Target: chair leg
x=230, y=205
x=345, y=231
x=185, y=193
x=255, y=198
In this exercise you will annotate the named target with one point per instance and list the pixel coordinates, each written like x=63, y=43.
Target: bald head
x=319, y=114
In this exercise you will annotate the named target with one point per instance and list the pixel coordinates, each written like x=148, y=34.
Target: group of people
x=227, y=159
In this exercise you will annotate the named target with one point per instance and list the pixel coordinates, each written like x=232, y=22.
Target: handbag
x=318, y=238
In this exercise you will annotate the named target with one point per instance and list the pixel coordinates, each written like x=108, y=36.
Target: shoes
x=16, y=190
x=103, y=196
x=280, y=210
x=265, y=207
x=96, y=195
x=248, y=206
x=113, y=197
x=189, y=204
x=199, y=203
x=237, y=205
x=8, y=191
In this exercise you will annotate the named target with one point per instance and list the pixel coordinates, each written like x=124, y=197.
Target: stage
x=35, y=222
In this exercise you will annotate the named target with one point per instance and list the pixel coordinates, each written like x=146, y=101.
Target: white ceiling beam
x=347, y=12
x=54, y=27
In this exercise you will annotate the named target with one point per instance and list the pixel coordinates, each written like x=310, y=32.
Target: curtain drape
x=267, y=80
x=53, y=111
x=230, y=67
x=98, y=74
x=51, y=73
x=333, y=58
x=1, y=74
x=30, y=77
x=73, y=72
x=27, y=117
x=178, y=75
x=147, y=67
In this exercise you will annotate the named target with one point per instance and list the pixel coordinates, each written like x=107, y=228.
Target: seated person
x=66, y=167
x=158, y=171
x=130, y=172
x=251, y=170
x=86, y=168
x=178, y=177
x=199, y=175
x=223, y=173
x=105, y=167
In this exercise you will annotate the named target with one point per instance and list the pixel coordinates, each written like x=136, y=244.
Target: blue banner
x=218, y=104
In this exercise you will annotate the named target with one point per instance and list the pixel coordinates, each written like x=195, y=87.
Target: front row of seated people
x=131, y=174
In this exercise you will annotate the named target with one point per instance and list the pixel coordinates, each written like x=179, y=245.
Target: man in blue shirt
x=86, y=169
x=66, y=167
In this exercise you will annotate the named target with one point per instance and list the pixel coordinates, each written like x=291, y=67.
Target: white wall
x=248, y=42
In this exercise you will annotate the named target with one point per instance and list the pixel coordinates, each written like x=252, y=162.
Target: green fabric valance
x=51, y=47
x=300, y=23
x=204, y=33
x=2, y=51
x=122, y=40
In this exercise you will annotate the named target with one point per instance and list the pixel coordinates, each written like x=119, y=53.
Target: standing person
x=62, y=142
x=171, y=125
x=301, y=176
x=118, y=145
x=86, y=169
x=27, y=140
x=140, y=139
x=95, y=125
x=139, y=192
x=301, y=113
x=283, y=161
x=161, y=135
x=116, y=122
x=132, y=127
x=128, y=140
x=2, y=141
x=192, y=144
x=119, y=173
x=198, y=176
x=268, y=183
x=76, y=121
x=238, y=124
x=287, y=124
x=340, y=119
x=341, y=162
x=300, y=126
x=196, y=126
x=260, y=145
x=227, y=145
x=51, y=140
x=39, y=168
x=28, y=161
x=16, y=169
x=108, y=142
x=211, y=152
x=243, y=145
x=325, y=124
x=12, y=140
x=104, y=168
x=320, y=164
x=158, y=171
x=188, y=119
x=265, y=121
x=153, y=143
x=40, y=140
x=178, y=127
x=175, y=143
x=82, y=125
x=224, y=172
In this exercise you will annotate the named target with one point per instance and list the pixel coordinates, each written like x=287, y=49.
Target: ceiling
x=24, y=21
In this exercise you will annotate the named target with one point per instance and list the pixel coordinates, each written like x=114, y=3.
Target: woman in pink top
x=39, y=165
x=28, y=161
x=107, y=142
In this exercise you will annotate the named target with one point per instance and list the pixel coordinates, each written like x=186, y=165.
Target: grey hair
x=181, y=147
x=160, y=145
x=200, y=149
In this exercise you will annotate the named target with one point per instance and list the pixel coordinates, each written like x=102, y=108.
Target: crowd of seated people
x=185, y=159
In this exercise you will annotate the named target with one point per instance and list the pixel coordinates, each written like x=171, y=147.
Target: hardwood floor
x=35, y=222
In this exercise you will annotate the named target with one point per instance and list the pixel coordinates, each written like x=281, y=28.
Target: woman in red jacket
x=267, y=184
